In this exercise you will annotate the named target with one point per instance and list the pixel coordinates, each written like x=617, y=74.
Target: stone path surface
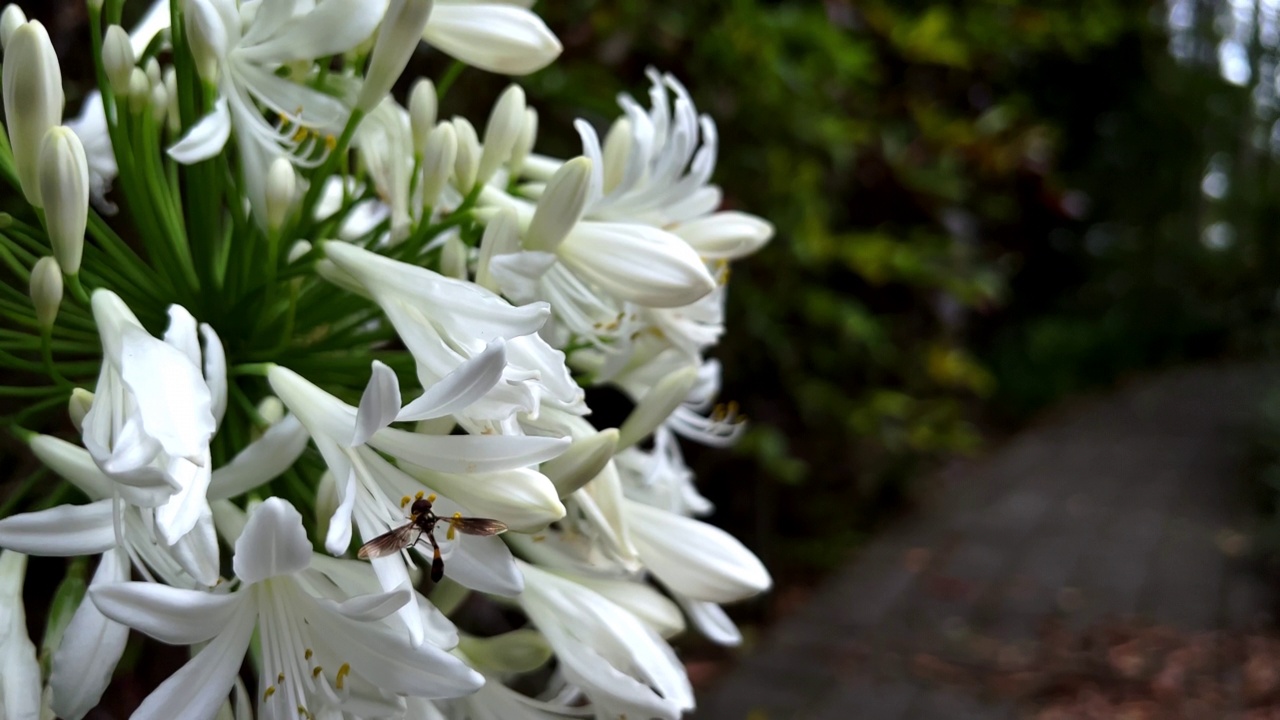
x=1123, y=506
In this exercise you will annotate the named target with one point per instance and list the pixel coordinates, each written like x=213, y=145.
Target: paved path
x=1120, y=506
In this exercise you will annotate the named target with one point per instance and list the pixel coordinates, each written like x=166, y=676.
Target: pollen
x=280, y=678
x=270, y=691
x=315, y=672
x=430, y=498
x=300, y=135
x=405, y=500
x=307, y=655
x=419, y=495
x=330, y=142
x=343, y=672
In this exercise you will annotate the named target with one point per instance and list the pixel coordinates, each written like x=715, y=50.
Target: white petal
x=62, y=531
x=91, y=647
x=173, y=400
x=637, y=263
x=332, y=28
x=198, y=689
x=184, y=508
x=518, y=274
x=73, y=463
x=367, y=608
x=197, y=551
x=20, y=679
x=181, y=333
x=485, y=564
x=168, y=614
x=338, y=539
x=261, y=460
x=273, y=543
x=726, y=235
x=694, y=558
x=215, y=371
x=461, y=387
x=206, y=138
x=379, y=404
x=496, y=37
x=156, y=19
x=712, y=621
x=522, y=499
x=467, y=453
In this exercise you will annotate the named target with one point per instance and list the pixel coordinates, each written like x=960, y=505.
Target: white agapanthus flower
x=318, y=654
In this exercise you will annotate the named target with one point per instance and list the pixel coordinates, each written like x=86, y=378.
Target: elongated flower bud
x=560, y=206
x=159, y=102
x=282, y=184
x=501, y=236
x=64, y=187
x=206, y=36
x=398, y=37
x=584, y=460
x=466, y=167
x=500, y=135
x=524, y=143
x=10, y=20
x=617, y=146
x=423, y=106
x=46, y=290
x=78, y=406
x=33, y=100
x=437, y=161
x=453, y=258
x=118, y=59
x=656, y=406
x=139, y=90
x=173, y=114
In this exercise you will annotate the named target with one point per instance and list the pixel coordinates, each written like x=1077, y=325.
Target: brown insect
x=422, y=522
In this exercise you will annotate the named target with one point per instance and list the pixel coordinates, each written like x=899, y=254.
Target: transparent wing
x=390, y=542
x=477, y=526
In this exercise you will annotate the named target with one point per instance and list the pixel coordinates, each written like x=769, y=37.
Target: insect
x=422, y=522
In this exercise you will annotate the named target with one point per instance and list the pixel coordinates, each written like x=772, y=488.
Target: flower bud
x=10, y=19
x=423, y=106
x=173, y=114
x=46, y=290
x=139, y=90
x=560, y=206
x=617, y=148
x=656, y=406
x=525, y=142
x=584, y=460
x=512, y=40
x=506, y=122
x=33, y=100
x=78, y=406
x=326, y=502
x=299, y=249
x=206, y=36
x=282, y=184
x=117, y=59
x=453, y=258
x=501, y=237
x=467, y=164
x=437, y=161
x=159, y=102
x=64, y=187
x=398, y=37
x=152, y=68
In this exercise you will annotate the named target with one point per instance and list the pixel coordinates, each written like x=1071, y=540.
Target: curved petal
x=484, y=564
x=492, y=36
x=62, y=531
x=379, y=404
x=637, y=263
x=712, y=621
x=197, y=551
x=72, y=463
x=467, y=453
x=261, y=460
x=156, y=19
x=215, y=371
x=726, y=235
x=168, y=614
x=367, y=608
x=206, y=138
x=199, y=688
x=460, y=388
x=173, y=401
x=90, y=649
x=333, y=27
x=273, y=543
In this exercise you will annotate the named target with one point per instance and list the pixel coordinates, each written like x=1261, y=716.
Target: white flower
x=155, y=408
x=20, y=685
x=245, y=58
x=372, y=492
x=620, y=663
x=500, y=37
x=445, y=322
x=317, y=654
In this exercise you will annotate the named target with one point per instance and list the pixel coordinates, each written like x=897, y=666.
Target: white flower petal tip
x=460, y=388
x=584, y=460
x=726, y=235
x=273, y=543
x=206, y=138
x=493, y=36
x=657, y=405
x=637, y=263
x=379, y=404
x=695, y=559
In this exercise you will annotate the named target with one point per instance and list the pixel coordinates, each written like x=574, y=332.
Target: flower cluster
x=350, y=341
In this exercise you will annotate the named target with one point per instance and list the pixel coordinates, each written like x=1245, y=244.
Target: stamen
x=343, y=672
x=405, y=501
x=419, y=495
x=270, y=691
x=430, y=498
x=280, y=678
x=453, y=526
x=307, y=655
x=330, y=142
x=315, y=672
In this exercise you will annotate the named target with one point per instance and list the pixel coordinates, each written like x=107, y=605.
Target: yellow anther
x=300, y=135
x=280, y=678
x=270, y=691
x=405, y=500
x=284, y=119
x=430, y=498
x=419, y=495
x=315, y=672
x=539, y=538
x=342, y=674
x=457, y=516
x=307, y=655
x=330, y=142
x=303, y=712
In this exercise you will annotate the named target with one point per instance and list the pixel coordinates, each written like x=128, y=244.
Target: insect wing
x=477, y=526
x=390, y=542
